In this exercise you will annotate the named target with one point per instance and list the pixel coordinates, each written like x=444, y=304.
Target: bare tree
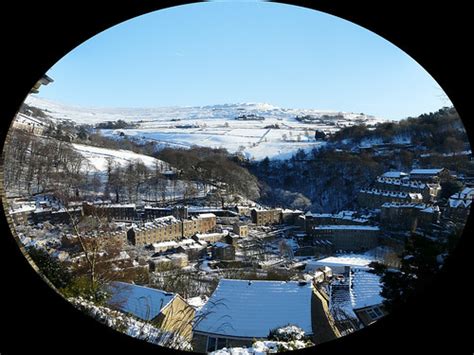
x=97, y=244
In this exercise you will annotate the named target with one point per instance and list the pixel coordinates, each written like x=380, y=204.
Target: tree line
x=35, y=165
x=212, y=166
x=325, y=180
x=441, y=131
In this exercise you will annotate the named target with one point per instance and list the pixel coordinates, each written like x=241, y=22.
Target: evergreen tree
x=418, y=266
x=51, y=268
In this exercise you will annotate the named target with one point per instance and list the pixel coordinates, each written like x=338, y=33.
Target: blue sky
x=222, y=52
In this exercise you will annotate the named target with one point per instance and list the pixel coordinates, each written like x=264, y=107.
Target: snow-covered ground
x=289, y=338
x=278, y=136
x=130, y=325
x=97, y=162
x=97, y=157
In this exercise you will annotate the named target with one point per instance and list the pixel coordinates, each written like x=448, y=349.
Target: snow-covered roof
x=165, y=244
x=347, y=226
x=211, y=235
x=421, y=206
x=142, y=302
x=394, y=174
x=399, y=194
x=149, y=207
x=120, y=205
x=251, y=309
x=286, y=210
x=453, y=203
x=23, y=208
x=187, y=241
x=197, y=302
x=466, y=193
x=207, y=215
x=414, y=184
x=353, y=260
x=425, y=171
x=220, y=245
x=22, y=118
x=167, y=220
x=431, y=209
x=123, y=255
x=365, y=289
x=197, y=209
x=346, y=215
x=176, y=256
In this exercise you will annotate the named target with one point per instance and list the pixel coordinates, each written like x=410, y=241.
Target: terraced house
x=170, y=228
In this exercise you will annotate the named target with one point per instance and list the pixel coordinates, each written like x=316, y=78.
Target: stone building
x=180, y=212
x=169, y=228
x=28, y=124
x=373, y=198
x=243, y=210
x=408, y=216
x=23, y=214
x=432, y=175
x=241, y=229
x=192, y=249
x=151, y=212
x=232, y=239
x=290, y=216
x=348, y=237
x=340, y=218
x=459, y=205
x=265, y=217
x=210, y=237
x=167, y=262
x=207, y=222
x=57, y=216
x=429, y=191
x=222, y=251
x=115, y=211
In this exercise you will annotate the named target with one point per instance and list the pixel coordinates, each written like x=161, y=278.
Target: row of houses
x=373, y=198
x=459, y=205
x=116, y=211
x=262, y=217
x=28, y=124
x=419, y=186
x=429, y=191
x=408, y=216
x=310, y=220
x=338, y=292
x=170, y=228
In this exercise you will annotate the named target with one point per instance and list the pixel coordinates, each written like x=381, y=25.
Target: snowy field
x=97, y=157
x=278, y=136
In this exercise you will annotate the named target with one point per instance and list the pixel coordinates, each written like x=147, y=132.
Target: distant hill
x=236, y=127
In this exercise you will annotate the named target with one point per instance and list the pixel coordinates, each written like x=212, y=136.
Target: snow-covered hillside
x=279, y=135
x=97, y=157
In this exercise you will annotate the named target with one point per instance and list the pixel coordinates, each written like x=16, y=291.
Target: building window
x=214, y=344
x=374, y=313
